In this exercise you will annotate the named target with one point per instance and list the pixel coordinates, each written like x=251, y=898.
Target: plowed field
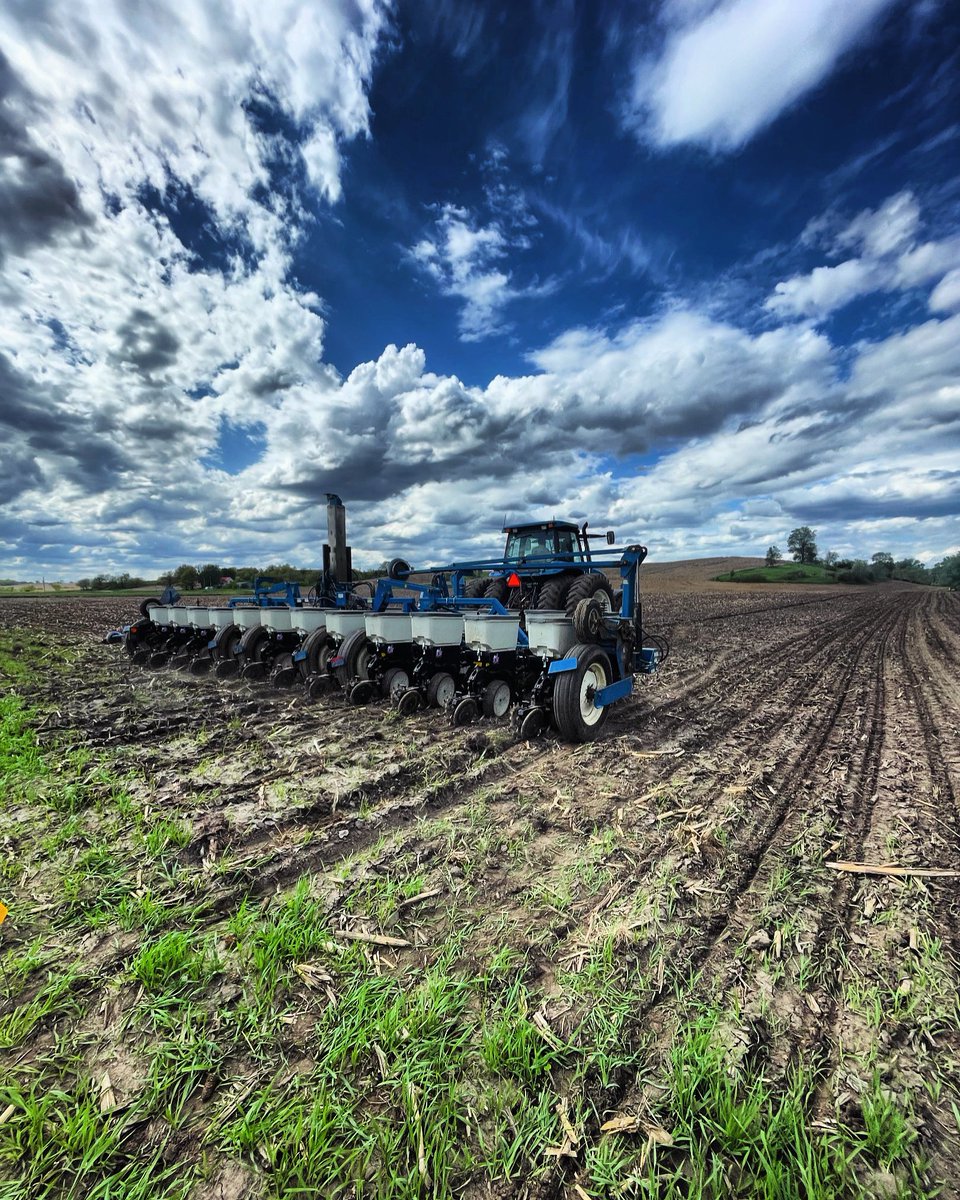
x=257, y=945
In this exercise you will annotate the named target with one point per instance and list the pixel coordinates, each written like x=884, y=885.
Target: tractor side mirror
x=611, y=537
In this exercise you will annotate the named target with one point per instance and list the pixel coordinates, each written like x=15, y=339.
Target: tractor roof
x=538, y=525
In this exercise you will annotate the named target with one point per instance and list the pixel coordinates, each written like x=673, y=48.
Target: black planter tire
x=312, y=646
x=441, y=689
x=253, y=643
x=473, y=589
x=226, y=641
x=585, y=588
x=574, y=713
x=496, y=698
x=355, y=652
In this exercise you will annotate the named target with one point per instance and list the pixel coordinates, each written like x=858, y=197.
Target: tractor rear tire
x=145, y=605
x=586, y=587
x=355, y=652
x=553, y=593
x=574, y=713
x=496, y=589
x=473, y=589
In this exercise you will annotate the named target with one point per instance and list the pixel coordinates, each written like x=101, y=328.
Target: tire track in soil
x=766, y=608
x=762, y=671
x=712, y=927
x=934, y=719
x=603, y=816
x=777, y=725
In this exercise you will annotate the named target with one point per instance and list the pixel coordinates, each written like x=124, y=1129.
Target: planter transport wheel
x=496, y=698
x=408, y=702
x=574, y=712
x=588, y=620
x=441, y=689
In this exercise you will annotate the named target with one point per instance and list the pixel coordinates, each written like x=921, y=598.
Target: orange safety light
x=514, y=580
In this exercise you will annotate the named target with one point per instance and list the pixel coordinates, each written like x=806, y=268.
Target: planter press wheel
x=200, y=666
x=441, y=689
x=394, y=683
x=496, y=698
x=408, y=702
x=574, y=712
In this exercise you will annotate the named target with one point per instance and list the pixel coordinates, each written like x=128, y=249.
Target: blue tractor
x=547, y=565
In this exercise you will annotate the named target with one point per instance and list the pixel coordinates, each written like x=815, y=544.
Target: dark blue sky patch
x=238, y=447
x=212, y=247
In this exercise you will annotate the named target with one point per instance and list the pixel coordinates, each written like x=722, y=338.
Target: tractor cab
x=549, y=539
x=538, y=541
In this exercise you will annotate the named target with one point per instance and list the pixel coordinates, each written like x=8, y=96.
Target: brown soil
x=789, y=728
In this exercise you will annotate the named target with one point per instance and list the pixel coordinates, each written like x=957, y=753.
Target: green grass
x=724, y=1128
x=782, y=573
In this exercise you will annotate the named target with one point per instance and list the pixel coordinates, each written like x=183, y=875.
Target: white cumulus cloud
x=725, y=74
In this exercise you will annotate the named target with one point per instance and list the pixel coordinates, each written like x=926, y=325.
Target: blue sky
x=690, y=269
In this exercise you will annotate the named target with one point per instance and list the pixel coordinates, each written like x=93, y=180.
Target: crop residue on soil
x=328, y=948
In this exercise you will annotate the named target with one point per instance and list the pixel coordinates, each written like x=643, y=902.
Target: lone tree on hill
x=774, y=556
x=883, y=562
x=802, y=544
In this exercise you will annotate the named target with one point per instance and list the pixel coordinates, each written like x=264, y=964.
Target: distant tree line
x=111, y=583
x=802, y=544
